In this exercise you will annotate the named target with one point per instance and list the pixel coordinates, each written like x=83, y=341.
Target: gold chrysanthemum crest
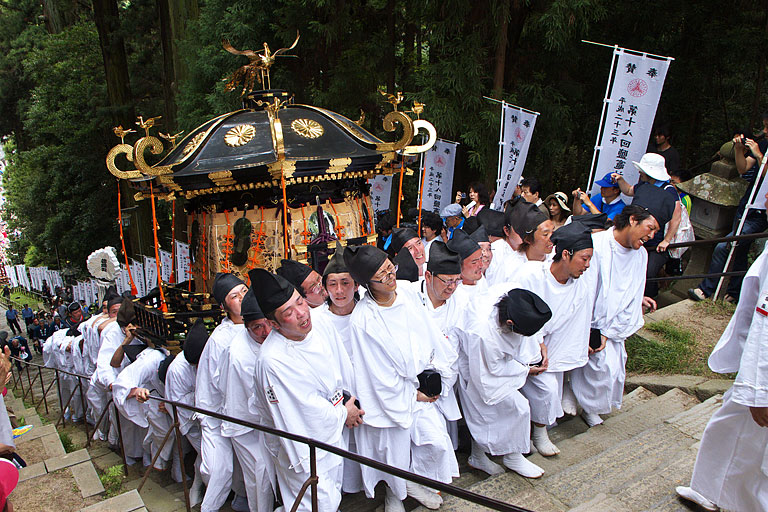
x=192, y=145
x=308, y=128
x=239, y=135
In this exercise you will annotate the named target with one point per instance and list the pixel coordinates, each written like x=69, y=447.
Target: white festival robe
x=249, y=444
x=299, y=388
x=566, y=334
x=391, y=347
x=180, y=387
x=143, y=373
x=732, y=464
x=618, y=313
x=63, y=360
x=218, y=462
x=493, y=366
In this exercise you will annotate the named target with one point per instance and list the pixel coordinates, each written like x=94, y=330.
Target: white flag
x=137, y=272
x=183, y=269
x=165, y=265
x=517, y=134
x=381, y=192
x=631, y=109
x=150, y=272
x=438, y=181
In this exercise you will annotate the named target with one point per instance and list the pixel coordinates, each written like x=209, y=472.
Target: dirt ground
x=31, y=451
x=49, y=493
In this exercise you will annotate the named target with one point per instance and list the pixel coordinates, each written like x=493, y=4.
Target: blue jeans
x=755, y=223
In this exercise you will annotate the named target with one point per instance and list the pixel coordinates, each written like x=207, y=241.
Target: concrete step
x=694, y=420
x=127, y=502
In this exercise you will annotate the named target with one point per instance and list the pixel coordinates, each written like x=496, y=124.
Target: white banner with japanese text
x=438, y=181
x=631, y=108
x=150, y=273
x=137, y=272
x=183, y=265
x=517, y=131
x=381, y=192
x=166, y=266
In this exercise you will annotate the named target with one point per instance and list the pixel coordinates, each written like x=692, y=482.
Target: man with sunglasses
x=307, y=281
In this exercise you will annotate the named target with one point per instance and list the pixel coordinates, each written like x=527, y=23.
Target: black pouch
x=595, y=339
x=674, y=267
x=346, y=398
x=430, y=383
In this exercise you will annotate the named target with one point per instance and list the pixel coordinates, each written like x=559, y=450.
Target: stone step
x=694, y=420
x=52, y=445
x=67, y=460
x=127, y=502
x=87, y=479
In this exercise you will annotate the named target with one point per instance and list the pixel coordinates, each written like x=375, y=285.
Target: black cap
x=162, y=370
x=249, y=308
x=407, y=269
x=442, y=260
x=656, y=200
x=479, y=235
x=591, y=220
x=470, y=224
x=336, y=264
x=400, y=237
x=294, y=272
x=572, y=237
x=223, y=284
x=526, y=310
x=271, y=290
x=525, y=218
x=363, y=261
x=513, y=203
x=126, y=314
x=197, y=337
x=110, y=293
x=463, y=244
x=493, y=222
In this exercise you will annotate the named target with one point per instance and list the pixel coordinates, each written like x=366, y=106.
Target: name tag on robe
x=337, y=397
x=762, y=305
x=271, y=396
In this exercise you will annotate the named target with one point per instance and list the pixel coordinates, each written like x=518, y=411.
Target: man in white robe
x=131, y=390
x=567, y=286
x=180, y=384
x=618, y=311
x=237, y=379
x=506, y=257
x=498, y=344
x=301, y=384
x=305, y=279
x=731, y=470
x=472, y=280
x=218, y=462
x=408, y=239
x=393, y=342
x=445, y=302
x=87, y=355
x=98, y=395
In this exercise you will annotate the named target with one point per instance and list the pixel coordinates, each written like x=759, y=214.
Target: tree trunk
x=755, y=117
x=517, y=18
x=107, y=21
x=391, y=41
x=167, y=37
x=501, y=53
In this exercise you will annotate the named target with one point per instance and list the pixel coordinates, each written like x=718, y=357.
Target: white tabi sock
x=392, y=503
x=689, y=494
x=569, y=402
x=522, y=466
x=543, y=444
x=591, y=418
x=240, y=504
x=424, y=495
x=479, y=460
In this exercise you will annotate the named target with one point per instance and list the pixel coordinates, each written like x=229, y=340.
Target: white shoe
x=543, y=444
x=392, y=503
x=424, y=495
x=240, y=504
x=591, y=419
x=569, y=402
x=689, y=494
x=522, y=466
x=479, y=460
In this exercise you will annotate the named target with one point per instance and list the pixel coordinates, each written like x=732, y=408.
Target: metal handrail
x=313, y=444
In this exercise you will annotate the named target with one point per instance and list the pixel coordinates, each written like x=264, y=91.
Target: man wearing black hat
x=180, y=381
x=472, y=280
x=567, y=286
x=342, y=296
x=62, y=347
x=431, y=230
x=506, y=257
x=497, y=348
x=305, y=279
x=217, y=452
x=74, y=315
x=303, y=376
x=131, y=390
x=393, y=342
x=620, y=262
x=480, y=235
x=249, y=444
x=406, y=238
x=445, y=302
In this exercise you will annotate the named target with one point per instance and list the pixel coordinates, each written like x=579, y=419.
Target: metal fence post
x=313, y=475
x=42, y=386
x=85, y=411
x=120, y=440
x=61, y=401
x=181, y=457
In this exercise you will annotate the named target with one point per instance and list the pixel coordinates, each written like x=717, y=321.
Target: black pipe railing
x=313, y=444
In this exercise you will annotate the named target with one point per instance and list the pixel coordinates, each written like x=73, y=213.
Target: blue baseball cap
x=607, y=181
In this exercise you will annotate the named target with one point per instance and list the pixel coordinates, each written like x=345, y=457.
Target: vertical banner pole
x=602, y=118
x=501, y=144
x=422, y=175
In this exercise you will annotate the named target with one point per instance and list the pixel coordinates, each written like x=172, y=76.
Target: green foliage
x=66, y=442
x=112, y=480
x=673, y=352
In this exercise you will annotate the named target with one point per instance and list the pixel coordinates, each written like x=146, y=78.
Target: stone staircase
x=54, y=479
x=630, y=463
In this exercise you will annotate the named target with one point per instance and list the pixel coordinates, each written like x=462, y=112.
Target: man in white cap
x=453, y=217
x=217, y=453
x=653, y=173
x=730, y=470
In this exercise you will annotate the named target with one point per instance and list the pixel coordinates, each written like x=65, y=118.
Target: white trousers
x=217, y=468
x=544, y=393
x=732, y=465
x=599, y=385
x=353, y=473
x=388, y=445
x=258, y=470
x=432, y=452
x=330, y=474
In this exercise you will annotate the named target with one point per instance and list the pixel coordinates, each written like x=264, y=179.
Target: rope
x=189, y=244
x=258, y=244
x=421, y=192
x=286, y=248
x=227, y=243
x=172, y=279
x=370, y=216
x=360, y=212
x=134, y=291
x=400, y=191
x=204, y=243
x=163, y=305
x=304, y=234
x=339, y=227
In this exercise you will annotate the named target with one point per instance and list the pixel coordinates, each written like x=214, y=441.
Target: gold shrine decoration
x=239, y=135
x=257, y=68
x=308, y=128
